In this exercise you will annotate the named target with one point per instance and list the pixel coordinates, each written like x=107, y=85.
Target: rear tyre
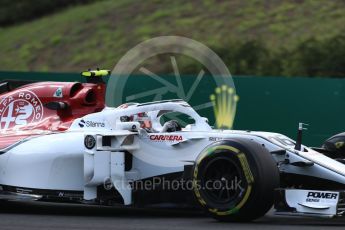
x=234, y=180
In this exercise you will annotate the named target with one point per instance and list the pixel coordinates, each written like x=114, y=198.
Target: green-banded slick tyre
x=234, y=180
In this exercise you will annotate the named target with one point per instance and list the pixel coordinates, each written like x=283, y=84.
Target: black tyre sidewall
x=264, y=173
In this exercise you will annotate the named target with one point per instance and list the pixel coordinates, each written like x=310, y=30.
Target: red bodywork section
x=24, y=112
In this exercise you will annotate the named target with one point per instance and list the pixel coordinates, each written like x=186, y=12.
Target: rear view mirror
x=56, y=105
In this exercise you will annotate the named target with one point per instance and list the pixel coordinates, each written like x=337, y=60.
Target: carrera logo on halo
x=166, y=138
x=20, y=109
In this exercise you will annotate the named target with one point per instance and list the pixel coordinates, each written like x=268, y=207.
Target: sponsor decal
x=89, y=142
x=213, y=139
x=91, y=124
x=58, y=93
x=20, y=109
x=166, y=138
x=316, y=196
x=81, y=124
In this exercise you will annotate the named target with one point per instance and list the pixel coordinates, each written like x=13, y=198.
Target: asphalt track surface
x=57, y=216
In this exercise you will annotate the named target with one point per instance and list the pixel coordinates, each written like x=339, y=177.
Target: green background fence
x=273, y=104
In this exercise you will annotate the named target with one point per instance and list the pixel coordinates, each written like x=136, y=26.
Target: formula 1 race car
x=60, y=143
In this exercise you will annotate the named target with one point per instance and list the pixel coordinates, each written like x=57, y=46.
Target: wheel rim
x=220, y=180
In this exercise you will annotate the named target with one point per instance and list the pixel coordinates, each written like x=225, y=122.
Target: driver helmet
x=171, y=126
x=143, y=119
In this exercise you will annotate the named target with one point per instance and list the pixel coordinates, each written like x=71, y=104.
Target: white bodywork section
x=62, y=162
x=313, y=202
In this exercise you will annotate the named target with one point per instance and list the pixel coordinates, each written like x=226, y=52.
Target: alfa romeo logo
x=20, y=109
x=90, y=142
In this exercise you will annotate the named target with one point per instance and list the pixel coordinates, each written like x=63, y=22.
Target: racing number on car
x=23, y=113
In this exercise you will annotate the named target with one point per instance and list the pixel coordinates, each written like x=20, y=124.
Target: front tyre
x=234, y=180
